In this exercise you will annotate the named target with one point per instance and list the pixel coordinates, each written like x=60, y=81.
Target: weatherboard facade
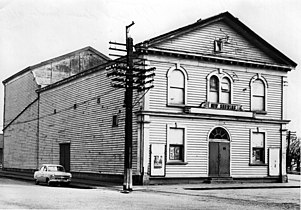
x=217, y=110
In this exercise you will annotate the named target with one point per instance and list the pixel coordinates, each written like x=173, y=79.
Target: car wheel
x=36, y=182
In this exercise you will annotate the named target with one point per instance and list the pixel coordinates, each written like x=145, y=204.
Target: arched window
x=176, y=87
x=214, y=89
x=219, y=88
x=258, y=95
x=219, y=133
x=226, y=91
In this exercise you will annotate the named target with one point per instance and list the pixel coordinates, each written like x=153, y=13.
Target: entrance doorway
x=65, y=155
x=219, y=153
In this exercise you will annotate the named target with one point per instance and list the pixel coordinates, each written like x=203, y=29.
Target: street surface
x=15, y=194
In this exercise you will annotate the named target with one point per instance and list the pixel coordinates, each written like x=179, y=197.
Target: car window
x=56, y=168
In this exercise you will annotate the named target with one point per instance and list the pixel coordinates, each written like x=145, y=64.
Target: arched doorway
x=219, y=153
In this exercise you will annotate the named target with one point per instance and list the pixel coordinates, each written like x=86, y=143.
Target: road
x=16, y=194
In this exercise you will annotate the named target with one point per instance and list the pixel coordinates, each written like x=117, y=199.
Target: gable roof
x=234, y=23
x=29, y=68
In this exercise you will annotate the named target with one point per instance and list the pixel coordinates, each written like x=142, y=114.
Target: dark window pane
x=258, y=155
x=214, y=84
x=176, y=152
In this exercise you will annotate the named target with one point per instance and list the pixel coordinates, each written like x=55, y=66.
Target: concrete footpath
x=293, y=182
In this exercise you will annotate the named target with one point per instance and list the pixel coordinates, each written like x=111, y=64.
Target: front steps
x=220, y=180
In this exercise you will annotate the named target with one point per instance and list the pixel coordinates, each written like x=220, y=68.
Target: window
x=258, y=148
x=225, y=91
x=115, y=121
x=214, y=89
x=258, y=95
x=219, y=88
x=218, y=45
x=176, y=144
x=219, y=133
x=177, y=86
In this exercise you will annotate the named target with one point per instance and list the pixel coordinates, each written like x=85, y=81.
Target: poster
x=157, y=160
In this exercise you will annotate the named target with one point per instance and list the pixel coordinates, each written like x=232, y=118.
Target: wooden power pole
x=129, y=75
x=128, y=174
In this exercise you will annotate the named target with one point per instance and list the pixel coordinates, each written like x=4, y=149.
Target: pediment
x=222, y=36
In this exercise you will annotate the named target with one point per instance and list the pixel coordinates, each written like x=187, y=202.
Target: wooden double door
x=219, y=158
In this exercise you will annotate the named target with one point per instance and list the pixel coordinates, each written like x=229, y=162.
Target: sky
x=32, y=31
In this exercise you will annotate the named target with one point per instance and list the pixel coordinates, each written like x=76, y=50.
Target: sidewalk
x=294, y=182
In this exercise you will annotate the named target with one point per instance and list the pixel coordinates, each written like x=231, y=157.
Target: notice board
x=274, y=161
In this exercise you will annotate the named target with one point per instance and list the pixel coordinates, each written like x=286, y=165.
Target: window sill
x=176, y=105
x=260, y=112
x=258, y=164
x=176, y=163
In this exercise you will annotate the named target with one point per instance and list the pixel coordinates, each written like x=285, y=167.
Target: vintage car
x=52, y=174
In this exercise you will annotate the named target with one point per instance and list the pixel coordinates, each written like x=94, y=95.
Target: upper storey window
x=225, y=91
x=219, y=88
x=177, y=82
x=214, y=89
x=258, y=94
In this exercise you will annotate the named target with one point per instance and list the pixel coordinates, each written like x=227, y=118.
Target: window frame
x=264, y=163
x=169, y=87
x=168, y=143
x=265, y=86
x=220, y=74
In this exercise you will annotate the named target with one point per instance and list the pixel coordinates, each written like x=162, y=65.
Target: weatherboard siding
x=20, y=140
x=197, y=85
x=95, y=145
x=197, y=152
x=201, y=41
x=19, y=93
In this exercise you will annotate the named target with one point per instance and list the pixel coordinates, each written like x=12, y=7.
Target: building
x=217, y=110
x=21, y=103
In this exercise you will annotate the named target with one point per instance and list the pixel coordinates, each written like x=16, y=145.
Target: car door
x=43, y=174
x=39, y=174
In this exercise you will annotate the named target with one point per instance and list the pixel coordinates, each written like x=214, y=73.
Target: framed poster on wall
x=157, y=160
x=274, y=161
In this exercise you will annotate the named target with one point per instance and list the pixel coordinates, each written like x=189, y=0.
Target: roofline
x=53, y=60
x=229, y=18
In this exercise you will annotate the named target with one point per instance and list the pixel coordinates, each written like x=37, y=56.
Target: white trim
x=258, y=130
x=220, y=74
x=221, y=112
x=223, y=58
x=230, y=147
x=176, y=125
x=170, y=70
x=219, y=126
x=265, y=83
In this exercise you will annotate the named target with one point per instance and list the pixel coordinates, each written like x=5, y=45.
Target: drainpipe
x=38, y=133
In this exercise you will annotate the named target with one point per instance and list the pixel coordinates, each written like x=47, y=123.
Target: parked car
x=52, y=174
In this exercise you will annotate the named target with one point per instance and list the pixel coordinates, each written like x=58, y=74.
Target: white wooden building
x=217, y=110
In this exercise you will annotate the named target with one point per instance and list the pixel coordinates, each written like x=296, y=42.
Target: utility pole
x=128, y=173
x=288, y=156
x=129, y=72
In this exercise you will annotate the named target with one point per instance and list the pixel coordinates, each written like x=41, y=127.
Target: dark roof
x=232, y=22
x=55, y=59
